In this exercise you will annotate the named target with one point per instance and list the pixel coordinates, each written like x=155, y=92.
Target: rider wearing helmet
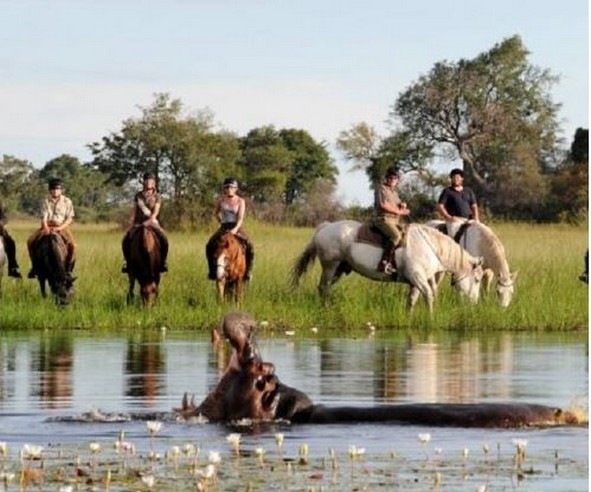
x=388, y=208
x=229, y=211
x=145, y=211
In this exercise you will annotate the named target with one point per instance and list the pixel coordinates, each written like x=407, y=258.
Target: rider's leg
x=210, y=259
x=10, y=248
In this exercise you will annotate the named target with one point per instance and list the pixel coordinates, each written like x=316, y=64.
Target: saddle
x=370, y=234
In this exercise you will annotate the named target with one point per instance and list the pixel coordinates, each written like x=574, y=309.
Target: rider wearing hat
x=457, y=201
x=57, y=215
x=145, y=211
x=229, y=212
x=388, y=208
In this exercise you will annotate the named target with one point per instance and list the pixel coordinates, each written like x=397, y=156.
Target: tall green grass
x=549, y=296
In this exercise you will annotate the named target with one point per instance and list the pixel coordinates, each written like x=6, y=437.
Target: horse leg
x=487, y=277
x=220, y=286
x=422, y=286
x=42, y=286
x=435, y=281
x=327, y=278
x=130, y=290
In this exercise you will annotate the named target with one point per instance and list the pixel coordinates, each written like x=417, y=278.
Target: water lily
x=31, y=452
x=214, y=457
x=289, y=333
x=189, y=449
x=153, y=427
x=149, y=480
x=234, y=440
x=465, y=453
x=303, y=453
x=208, y=472
x=6, y=477
x=279, y=439
x=520, y=445
x=355, y=452
x=3, y=449
x=264, y=324
x=424, y=438
x=94, y=447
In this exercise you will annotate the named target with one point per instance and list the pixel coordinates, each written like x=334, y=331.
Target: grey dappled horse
x=425, y=252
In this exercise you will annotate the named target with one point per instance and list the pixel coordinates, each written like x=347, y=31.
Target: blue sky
x=72, y=71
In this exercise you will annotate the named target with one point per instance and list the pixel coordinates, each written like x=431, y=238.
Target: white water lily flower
x=149, y=480
x=234, y=439
x=314, y=329
x=31, y=451
x=3, y=449
x=260, y=452
x=66, y=488
x=520, y=444
x=189, y=449
x=279, y=439
x=424, y=438
x=264, y=324
x=465, y=453
x=208, y=472
x=355, y=452
x=94, y=447
x=289, y=333
x=214, y=457
x=153, y=427
x=6, y=477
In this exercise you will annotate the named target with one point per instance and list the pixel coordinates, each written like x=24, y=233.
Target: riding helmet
x=55, y=183
x=230, y=182
x=456, y=171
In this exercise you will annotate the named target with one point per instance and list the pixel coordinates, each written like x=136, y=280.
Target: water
x=45, y=377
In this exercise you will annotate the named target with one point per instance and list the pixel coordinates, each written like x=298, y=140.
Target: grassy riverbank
x=549, y=296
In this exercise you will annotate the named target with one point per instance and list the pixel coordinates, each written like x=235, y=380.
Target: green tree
x=185, y=152
x=17, y=181
x=494, y=113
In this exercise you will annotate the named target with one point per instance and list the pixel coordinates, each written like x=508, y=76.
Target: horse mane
x=491, y=249
x=448, y=251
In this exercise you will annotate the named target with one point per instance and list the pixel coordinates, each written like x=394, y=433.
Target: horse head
x=506, y=289
x=470, y=282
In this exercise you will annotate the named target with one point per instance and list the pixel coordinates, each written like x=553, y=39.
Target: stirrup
x=389, y=269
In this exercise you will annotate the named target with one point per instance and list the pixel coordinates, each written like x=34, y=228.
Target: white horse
x=479, y=240
x=425, y=252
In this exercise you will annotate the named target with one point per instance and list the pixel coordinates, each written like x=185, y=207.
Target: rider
x=458, y=201
x=57, y=215
x=229, y=212
x=388, y=208
x=9, y=247
x=146, y=207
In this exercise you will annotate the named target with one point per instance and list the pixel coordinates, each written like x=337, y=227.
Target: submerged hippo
x=250, y=389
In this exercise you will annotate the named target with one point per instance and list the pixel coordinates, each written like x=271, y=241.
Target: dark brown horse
x=50, y=253
x=144, y=262
x=230, y=261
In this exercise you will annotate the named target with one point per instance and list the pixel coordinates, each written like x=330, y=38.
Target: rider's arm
x=443, y=212
x=475, y=212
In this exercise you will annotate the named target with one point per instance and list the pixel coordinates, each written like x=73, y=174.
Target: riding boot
x=211, y=264
x=10, y=248
x=385, y=265
x=249, y=253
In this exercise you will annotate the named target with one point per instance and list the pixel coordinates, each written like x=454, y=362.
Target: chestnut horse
x=230, y=260
x=50, y=253
x=144, y=263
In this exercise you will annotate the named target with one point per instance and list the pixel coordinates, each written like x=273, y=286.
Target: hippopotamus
x=250, y=389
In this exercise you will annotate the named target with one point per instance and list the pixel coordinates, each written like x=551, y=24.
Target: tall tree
x=494, y=113
x=17, y=183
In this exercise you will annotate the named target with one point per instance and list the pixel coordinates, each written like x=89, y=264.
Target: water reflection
x=144, y=367
x=152, y=372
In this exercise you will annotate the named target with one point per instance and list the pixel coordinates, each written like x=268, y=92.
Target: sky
x=72, y=71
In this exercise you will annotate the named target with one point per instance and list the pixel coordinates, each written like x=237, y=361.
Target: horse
x=425, y=252
x=49, y=256
x=230, y=260
x=144, y=263
x=479, y=240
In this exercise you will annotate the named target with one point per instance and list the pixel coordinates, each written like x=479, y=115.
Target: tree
x=17, y=183
x=495, y=114
x=185, y=152
x=282, y=166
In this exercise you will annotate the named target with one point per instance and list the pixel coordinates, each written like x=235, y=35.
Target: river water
x=47, y=380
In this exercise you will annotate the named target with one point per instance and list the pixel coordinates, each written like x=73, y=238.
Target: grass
x=549, y=296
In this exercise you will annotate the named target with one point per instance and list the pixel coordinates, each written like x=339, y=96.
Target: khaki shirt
x=385, y=194
x=57, y=212
x=145, y=205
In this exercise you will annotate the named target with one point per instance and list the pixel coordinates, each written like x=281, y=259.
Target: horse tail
x=302, y=263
